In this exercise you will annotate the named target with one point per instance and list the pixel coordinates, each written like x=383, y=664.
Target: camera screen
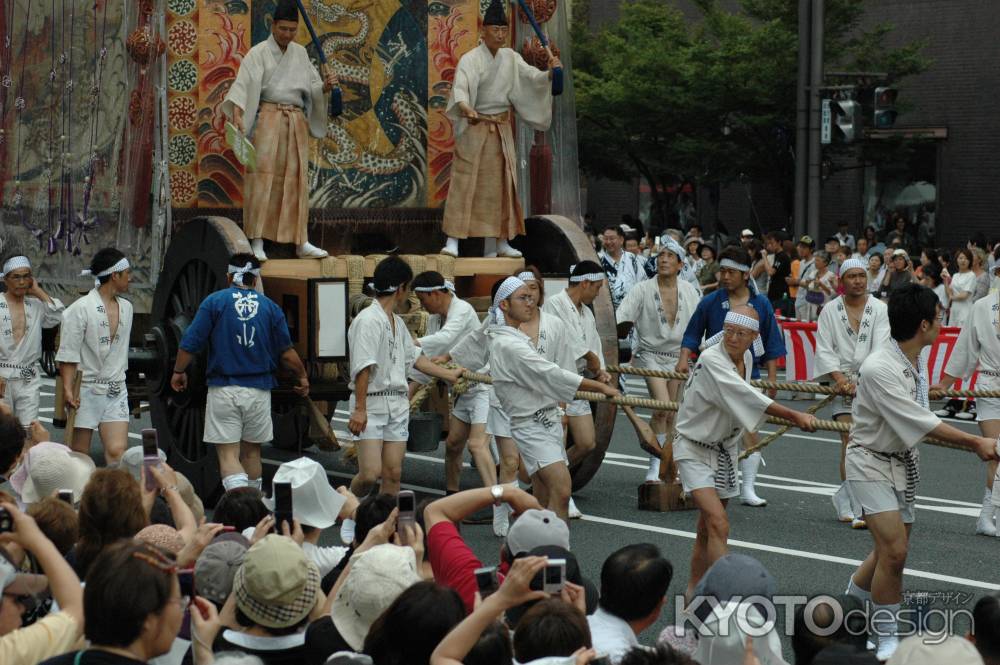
x=406, y=503
x=553, y=575
x=283, y=497
x=149, y=440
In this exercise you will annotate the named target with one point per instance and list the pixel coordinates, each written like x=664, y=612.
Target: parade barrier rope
x=789, y=386
x=658, y=405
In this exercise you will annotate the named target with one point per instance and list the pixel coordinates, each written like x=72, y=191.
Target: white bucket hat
x=314, y=501
x=50, y=467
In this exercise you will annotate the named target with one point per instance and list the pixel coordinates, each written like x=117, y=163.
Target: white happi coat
x=24, y=355
x=643, y=308
x=374, y=344
x=86, y=339
x=838, y=347
x=718, y=406
x=492, y=84
x=443, y=335
x=524, y=381
x=979, y=342
x=269, y=75
x=581, y=324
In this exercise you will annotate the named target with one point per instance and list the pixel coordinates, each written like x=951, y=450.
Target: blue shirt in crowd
x=710, y=314
x=246, y=333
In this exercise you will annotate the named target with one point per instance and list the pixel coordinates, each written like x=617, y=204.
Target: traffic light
x=846, y=120
x=885, y=107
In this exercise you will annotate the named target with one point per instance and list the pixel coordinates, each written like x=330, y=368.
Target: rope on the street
x=788, y=386
x=659, y=405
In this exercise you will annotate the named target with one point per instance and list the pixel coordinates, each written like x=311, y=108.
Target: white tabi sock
x=256, y=483
x=856, y=591
x=235, y=480
x=885, y=627
x=653, y=472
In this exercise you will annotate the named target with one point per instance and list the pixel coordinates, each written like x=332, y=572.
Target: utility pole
x=802, y=121
x=815, y=102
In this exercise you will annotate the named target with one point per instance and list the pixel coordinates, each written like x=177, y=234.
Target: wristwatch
x=497, y=492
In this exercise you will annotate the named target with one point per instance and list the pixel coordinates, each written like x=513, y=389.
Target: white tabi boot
x=886, y=629
x=257, y=245
x=450, y=247
x=748, y=471
x=504, y=249
x=842, y=504
x=309, y=251
x=985, y=525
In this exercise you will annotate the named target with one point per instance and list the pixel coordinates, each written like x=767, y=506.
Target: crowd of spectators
x=123, y=573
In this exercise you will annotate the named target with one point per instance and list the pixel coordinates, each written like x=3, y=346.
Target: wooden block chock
x=666, y=494
x=664, y=497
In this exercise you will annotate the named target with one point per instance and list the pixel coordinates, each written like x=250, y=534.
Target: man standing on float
x=489, y=81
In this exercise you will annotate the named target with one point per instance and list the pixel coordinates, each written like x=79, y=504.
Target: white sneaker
x=450, y=247
x=501, y=520
x=257, y=246
x=858, y=523
x=505, y=250
x=943, y=413
x=574, y=512
x=309, y=251
x=842, y=504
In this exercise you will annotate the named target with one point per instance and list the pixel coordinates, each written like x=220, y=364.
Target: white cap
x=746, y=233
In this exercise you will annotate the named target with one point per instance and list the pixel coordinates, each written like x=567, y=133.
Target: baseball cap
x=314, y=502
x=920, y=650
x=746, y=233
x=375, y=580
x=276, y=586
x=535, y=528
x=807, y=241
x=216, y=568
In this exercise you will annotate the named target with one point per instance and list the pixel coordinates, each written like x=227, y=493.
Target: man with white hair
x=718, y=406
x=979, y=345
x=850, y=328
x=530, y=389
x=659, y=310
x=24, y=310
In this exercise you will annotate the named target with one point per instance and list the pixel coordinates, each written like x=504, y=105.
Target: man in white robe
x=530, y=389
x=24, y=310
x=850, y=328
x=450, y=320
x=658, y=310
x=718, y=406
x=979, y=344
x=490, y=80
x=891, y=416
x=94, y=339
x=278, y=99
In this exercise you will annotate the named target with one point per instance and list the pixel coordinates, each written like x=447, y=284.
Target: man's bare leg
x=480, y=450
x=584, y=438
x=114, y=438
x=712, y=534
x=510, y=459
x=891, y=538
x=454, y=446
x=369, y=467
x=393, y=453
x=558, y=485
x=81, y=439
x=662, y=422
x=251, y=462
x=233, y=474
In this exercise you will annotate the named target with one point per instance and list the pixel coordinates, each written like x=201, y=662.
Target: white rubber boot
x=257, y=245
x=842, y=504
x=309, y=251
x=748, y=471
x=450, y=247
x=504, y=249
x=985, y=525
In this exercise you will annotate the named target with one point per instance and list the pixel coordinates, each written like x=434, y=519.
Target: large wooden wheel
x=194, y=267
x=553, y=244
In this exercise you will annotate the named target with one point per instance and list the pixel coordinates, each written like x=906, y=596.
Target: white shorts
x=540, y=443
x=238, y=413
x=697, y=475
x=880, y=497
x=100, y=408
x=578, y=407
x=987, y=408
x=842, y=405
x=996, y=488
x=388, y=419
x=22, y=397
x=472, y=408
x=660, y=362
x=497, y=423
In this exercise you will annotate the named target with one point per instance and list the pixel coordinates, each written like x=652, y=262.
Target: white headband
x=448, y=285
x=589, y=277
x=390, y=290
x=13, y=263
x=851, y=264
x=527, y=276
x=671, y=245
x=729, y=263
x=506, y=290
x=744, y=322
x=121, y=266
x=238, y=272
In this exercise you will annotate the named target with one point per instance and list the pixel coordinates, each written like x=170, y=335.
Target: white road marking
x=816, y=556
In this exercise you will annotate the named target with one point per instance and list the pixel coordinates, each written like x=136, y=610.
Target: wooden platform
x=336, y=266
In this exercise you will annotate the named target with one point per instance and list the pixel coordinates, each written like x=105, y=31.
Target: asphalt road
x=797, y=536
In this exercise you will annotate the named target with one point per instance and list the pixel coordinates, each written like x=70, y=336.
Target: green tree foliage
x=677, y=101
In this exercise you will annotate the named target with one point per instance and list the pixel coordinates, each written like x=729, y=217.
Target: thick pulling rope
x=771, y=438
x=789, y=386
x=658, y=405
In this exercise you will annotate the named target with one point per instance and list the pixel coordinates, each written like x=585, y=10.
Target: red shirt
x=453, y=562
